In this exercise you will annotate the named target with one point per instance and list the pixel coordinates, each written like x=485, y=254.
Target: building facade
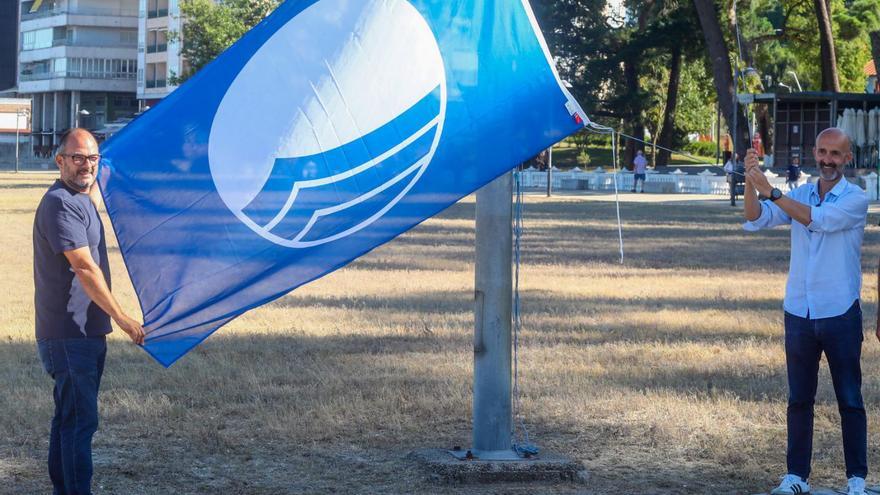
x=158, y=57
x=8, y=43
x=78, y=64
x=14, y=131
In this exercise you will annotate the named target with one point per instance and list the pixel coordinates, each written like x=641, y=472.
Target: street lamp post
x=798, y=83
x=19, y=113
x=79, y=112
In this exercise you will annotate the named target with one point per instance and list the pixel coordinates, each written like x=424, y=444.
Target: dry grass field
x=666, y=372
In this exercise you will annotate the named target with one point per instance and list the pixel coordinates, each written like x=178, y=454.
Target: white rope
x=615, y=141
x=614, y=145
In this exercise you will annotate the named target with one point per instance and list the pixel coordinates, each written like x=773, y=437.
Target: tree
x=209, y=28
x=722, y=72
x=672, y=38
x=827, y=55
x=862, y=16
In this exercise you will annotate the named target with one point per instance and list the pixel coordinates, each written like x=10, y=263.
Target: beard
x=80, y=182
x=829, y=174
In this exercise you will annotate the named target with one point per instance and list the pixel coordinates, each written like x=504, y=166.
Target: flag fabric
x=327, y=130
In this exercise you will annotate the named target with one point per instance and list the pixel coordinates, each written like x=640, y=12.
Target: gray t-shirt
x=66, y=220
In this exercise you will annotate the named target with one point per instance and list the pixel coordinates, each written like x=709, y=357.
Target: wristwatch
x=775, y=194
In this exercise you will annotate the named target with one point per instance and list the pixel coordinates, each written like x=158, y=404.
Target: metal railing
x=102, y=12
x=42, y=76
x=157, y=48
x=94, y=44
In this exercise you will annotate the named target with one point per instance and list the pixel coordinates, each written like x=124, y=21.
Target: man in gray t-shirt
x=640, y=167
x=74, y=306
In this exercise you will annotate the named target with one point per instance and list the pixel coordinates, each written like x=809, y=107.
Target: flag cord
x=521, y=443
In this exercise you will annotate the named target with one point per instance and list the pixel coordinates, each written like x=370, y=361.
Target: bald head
x=833, y=151
x=835, y=133
x=77, y=136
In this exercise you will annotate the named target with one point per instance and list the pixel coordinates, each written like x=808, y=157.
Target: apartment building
x=158, y=57
x=8, y=43
x=78, y=63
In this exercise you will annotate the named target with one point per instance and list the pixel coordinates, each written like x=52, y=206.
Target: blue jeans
x=840, y=338
x=77, y=366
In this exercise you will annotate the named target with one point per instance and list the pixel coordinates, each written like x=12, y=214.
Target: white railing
x=675, y=182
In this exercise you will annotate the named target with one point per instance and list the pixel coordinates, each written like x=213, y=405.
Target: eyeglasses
x=79, y=159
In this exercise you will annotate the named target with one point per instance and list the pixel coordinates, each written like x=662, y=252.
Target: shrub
x=583, y=158
x=701, y=148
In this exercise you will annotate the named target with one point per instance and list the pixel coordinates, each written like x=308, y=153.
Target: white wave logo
x=331, y=122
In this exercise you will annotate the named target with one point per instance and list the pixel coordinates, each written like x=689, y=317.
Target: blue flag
x=329, y=129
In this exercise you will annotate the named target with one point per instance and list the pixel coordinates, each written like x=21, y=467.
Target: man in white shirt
x=640, y=166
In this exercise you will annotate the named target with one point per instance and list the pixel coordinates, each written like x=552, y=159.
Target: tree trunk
x=762, y=112
x=827, y=56
x=722, y=72
x=633, y=88
x=635, y=126
x=666, y=130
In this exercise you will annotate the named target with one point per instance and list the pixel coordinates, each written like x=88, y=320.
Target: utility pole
x=17, y=115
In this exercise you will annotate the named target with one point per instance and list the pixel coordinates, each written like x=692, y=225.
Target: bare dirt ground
x=664, y=375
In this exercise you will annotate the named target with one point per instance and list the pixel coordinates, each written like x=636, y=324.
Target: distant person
x=730, y=168
x=541, y=160
x=822, y=311
x=793, y=176
x=73, y=307
x=640, y=167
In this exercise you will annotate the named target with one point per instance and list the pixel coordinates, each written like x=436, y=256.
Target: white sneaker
x=855, y=486
x=793, y=484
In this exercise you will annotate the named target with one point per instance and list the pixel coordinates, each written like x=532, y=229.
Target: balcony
x=90, y=44
x=90, y=11
x=42, y=76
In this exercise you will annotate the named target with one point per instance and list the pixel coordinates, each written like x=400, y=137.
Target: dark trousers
x=840, y=338
x=636, y=179
x=76, y=365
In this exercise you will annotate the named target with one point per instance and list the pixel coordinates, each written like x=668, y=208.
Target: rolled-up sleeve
x=846, y=213
x=771, y=216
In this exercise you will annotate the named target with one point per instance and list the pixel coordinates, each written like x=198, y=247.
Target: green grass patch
x=565, y=156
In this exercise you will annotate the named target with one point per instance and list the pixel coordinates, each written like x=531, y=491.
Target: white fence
x=675, y=182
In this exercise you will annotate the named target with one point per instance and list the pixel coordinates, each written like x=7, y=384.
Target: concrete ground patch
x=820, y=491
x=442, y=467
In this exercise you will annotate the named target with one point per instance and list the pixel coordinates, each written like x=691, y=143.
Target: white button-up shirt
x=825, y=271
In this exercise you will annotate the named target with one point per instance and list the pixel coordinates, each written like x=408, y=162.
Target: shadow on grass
x=301, y=414
x=656, y=235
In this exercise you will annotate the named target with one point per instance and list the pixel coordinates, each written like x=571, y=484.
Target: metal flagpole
x=492, y=413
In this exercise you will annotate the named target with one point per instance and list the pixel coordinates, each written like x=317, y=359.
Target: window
x=157, y=41
x=27, y=40
x=34, y=40
x=100, y=68
x=156, y=75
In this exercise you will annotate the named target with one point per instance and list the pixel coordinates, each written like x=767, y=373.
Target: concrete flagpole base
x=456, y=466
